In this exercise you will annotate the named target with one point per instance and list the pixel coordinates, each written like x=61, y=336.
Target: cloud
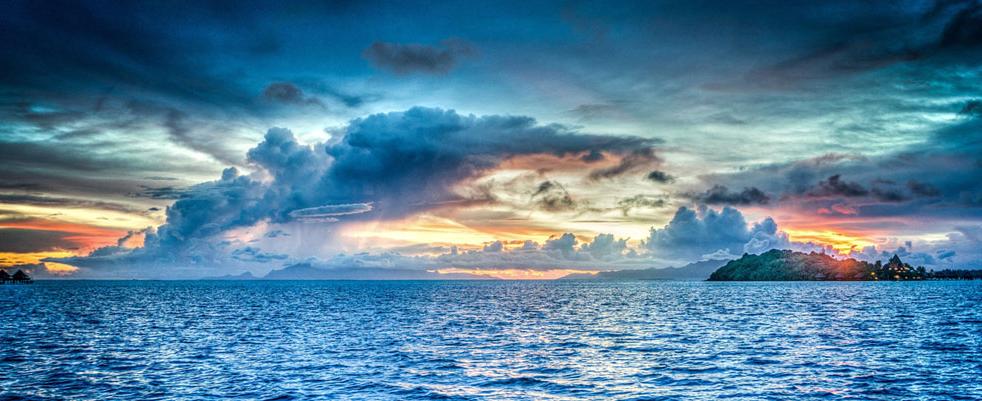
x=164, y=192
x=888, y=192
x=835, y=186
x=964, y=30
x=110, y=46
x=637, y=159
x=26, y=240
x=922, y=189
x=597, y=111
x=764, y=236
x=604, y=245
x=719, y=235
x=104, y=164
x=417, y=58
x=564, y=244
x=185, y=132
x=496, y=246
x=412, y=160
x=721, y=195
x=63, y=202
x=255, y=255
x=972, y=108
x=911, y=36
x=936, y=180
x=641, y=201
x=384, y=166
x=552, y=196
x=660, y=177
x=276, y=234
x=708, y=233
x=289, y=94
x=691, y=233
x=330, y=211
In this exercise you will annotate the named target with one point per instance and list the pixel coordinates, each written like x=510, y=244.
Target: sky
x=507, y=139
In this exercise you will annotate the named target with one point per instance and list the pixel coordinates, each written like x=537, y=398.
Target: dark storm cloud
x=947, y=33
x=633, y=161
x=39, y=154
x=964, y=29
x=256, y=255
x=836, y=186
x=597, y=111
x=77, y=71
x=385, y=166
x=721, y=195
x=51, y=46
x=106, y=161
x=59, y=202
x=972, y=108
x=411, y=58
x=23, y=240
x=413, y=158
x=290, y=94
x=940, y=177
x=660, y=177
x=182, y=132
x=640, y=201
x=26, y=186
x=164, y=192
x=889, y=191
x=922, y=189
x=553, y=197
x=276, y=234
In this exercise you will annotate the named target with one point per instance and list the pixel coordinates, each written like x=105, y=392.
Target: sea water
x=490, y=340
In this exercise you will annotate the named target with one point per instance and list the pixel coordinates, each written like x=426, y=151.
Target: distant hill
x=786, y=265
x=306, y=271
x=243, y=276
x=693, y=271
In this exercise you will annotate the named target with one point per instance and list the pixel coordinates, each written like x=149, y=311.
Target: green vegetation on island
x=786, y=265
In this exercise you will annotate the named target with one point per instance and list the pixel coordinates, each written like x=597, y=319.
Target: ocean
x=490, y=340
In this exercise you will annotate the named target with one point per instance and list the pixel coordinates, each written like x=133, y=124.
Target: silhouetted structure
x=4, y=277
x=20, y=278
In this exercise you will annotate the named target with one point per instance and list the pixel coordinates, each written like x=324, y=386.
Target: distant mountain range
x=773, y=265
x=692, y=271
x=307, y=271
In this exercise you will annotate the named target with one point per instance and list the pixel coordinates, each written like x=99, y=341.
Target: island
x=787, y=265
x=692, y=271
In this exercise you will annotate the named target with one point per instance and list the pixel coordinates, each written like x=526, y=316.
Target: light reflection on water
x=491, y=340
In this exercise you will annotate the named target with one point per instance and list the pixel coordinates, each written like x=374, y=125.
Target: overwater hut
x=4, y=277
x=21, y=278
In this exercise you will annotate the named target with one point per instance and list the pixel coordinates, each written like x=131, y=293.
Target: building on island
x=18, y=278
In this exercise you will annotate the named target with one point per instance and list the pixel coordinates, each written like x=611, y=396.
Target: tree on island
x=787, y=265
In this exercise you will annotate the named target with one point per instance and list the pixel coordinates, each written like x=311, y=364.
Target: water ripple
x=490, y=340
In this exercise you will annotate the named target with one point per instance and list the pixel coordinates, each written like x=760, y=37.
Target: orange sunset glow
x=517, y=274
x=490, y=200
x=84, y=237
x=840, y=242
